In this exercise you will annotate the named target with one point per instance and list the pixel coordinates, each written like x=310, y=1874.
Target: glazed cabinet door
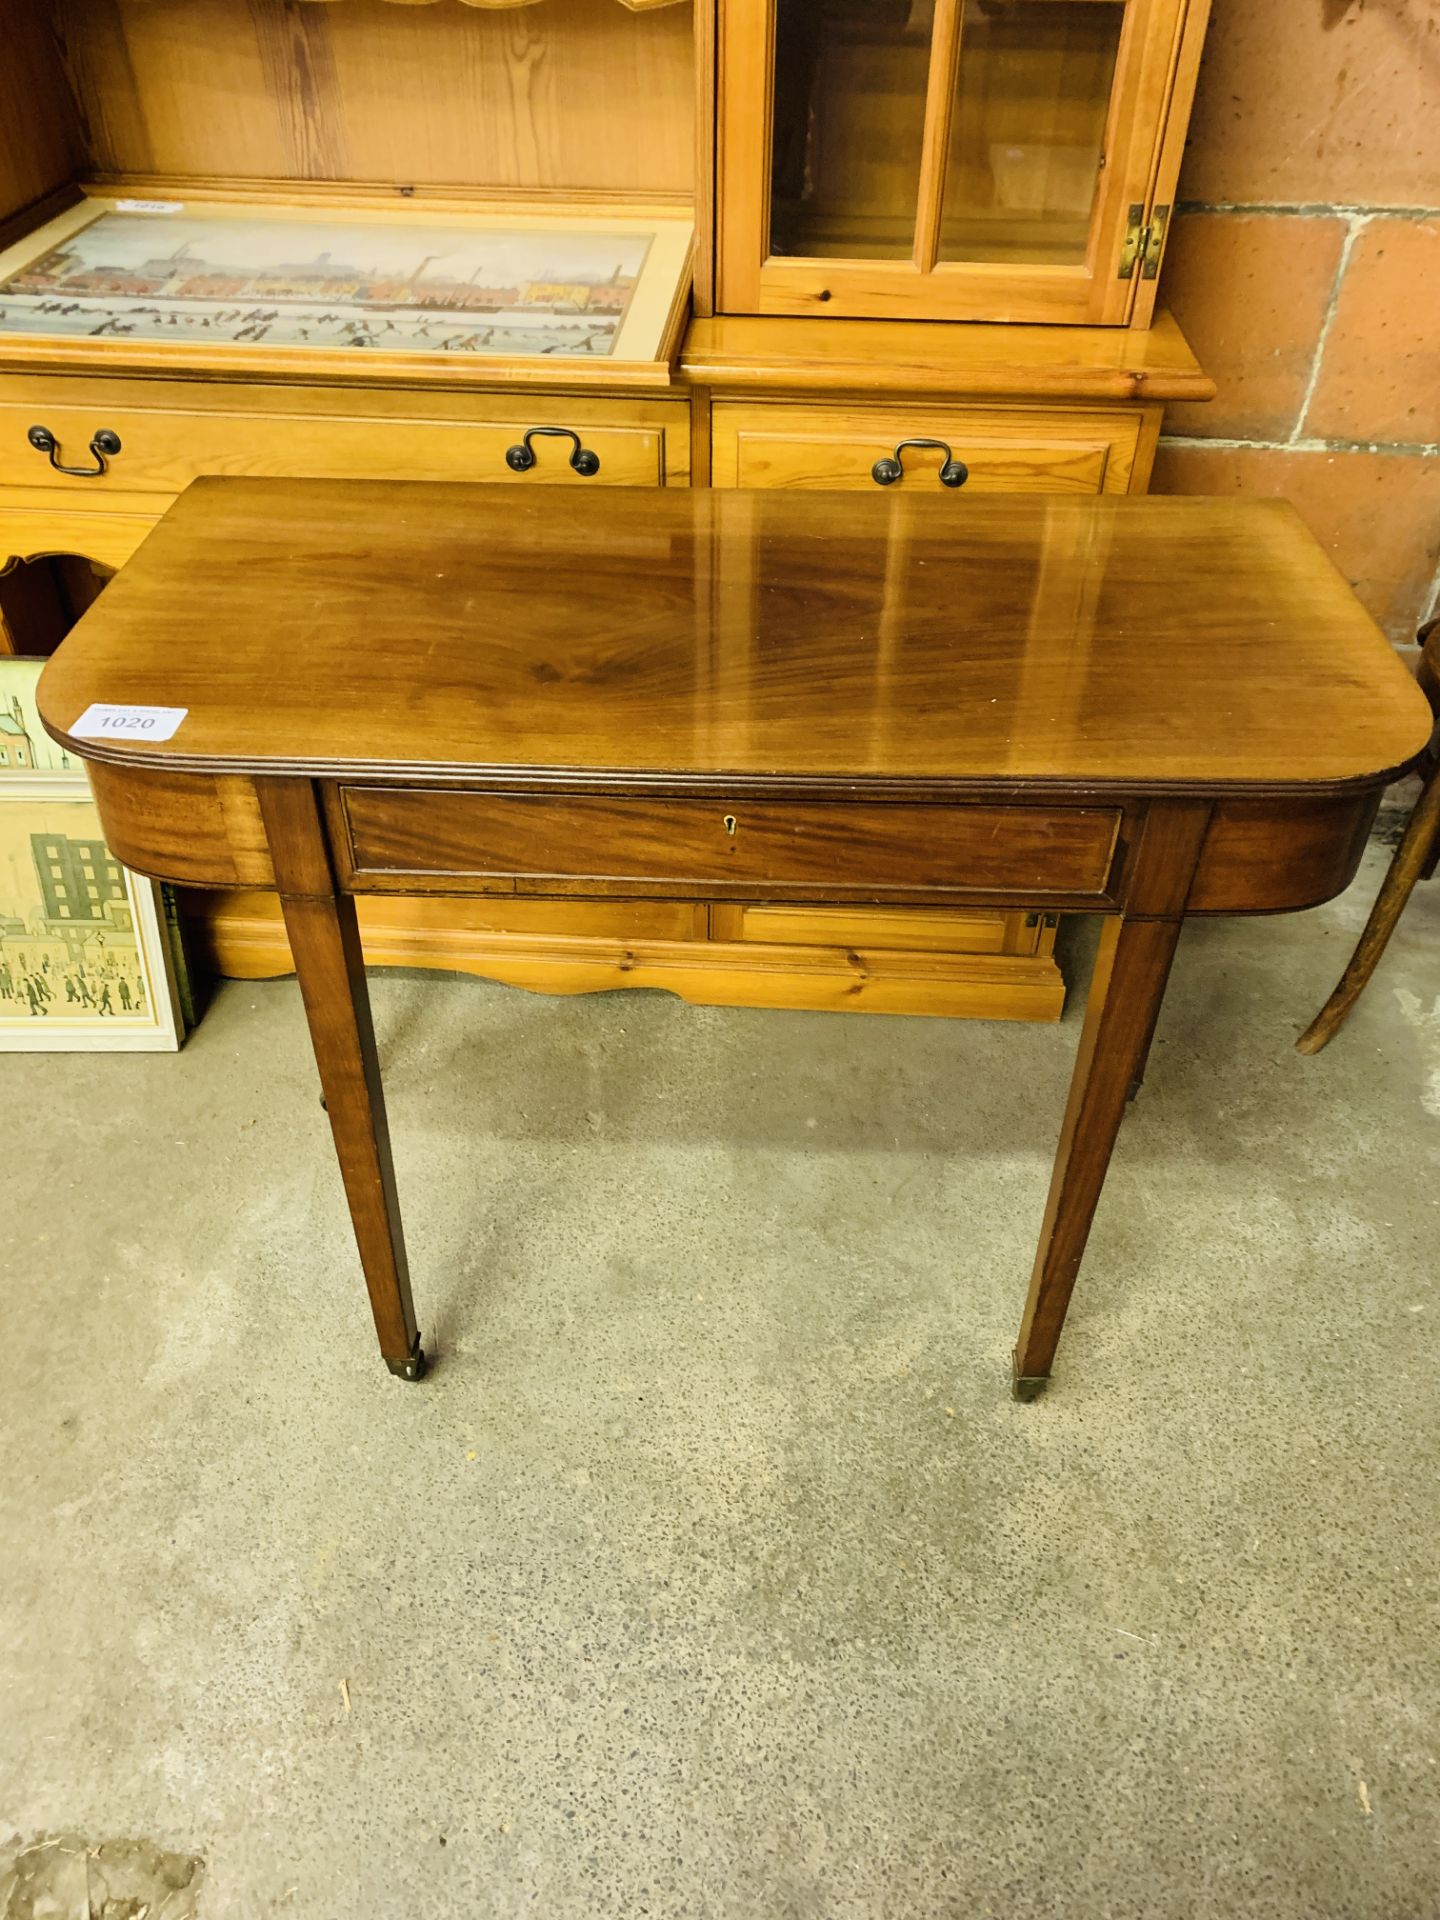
x=947, y=159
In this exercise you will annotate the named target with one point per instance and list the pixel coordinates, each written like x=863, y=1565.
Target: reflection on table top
x=499, y=631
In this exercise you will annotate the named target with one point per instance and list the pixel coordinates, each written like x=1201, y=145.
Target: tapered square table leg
x=1126, y=989
x=325, y=944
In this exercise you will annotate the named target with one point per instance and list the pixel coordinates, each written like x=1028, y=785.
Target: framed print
x=85, y=962
x=202, y=284
x=25, y=747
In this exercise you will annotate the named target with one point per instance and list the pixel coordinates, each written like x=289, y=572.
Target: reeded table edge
x=695, y=784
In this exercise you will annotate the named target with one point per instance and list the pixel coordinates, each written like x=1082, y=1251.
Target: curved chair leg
x=1413, y=854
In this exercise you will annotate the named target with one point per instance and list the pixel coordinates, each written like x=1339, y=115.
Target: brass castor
x=413, y=1367
x=1028, y=1386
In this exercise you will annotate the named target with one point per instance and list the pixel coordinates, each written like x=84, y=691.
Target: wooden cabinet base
x=683, y=948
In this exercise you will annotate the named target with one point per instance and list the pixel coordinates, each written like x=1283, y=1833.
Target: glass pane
x=1028, y=131
x=849, y=116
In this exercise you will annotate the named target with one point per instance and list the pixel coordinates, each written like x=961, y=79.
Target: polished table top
x=452, y=631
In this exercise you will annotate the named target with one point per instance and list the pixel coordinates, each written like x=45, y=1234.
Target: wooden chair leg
x=1421, y=838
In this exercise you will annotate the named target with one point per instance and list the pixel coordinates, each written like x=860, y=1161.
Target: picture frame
x=434, y=291
x=86, y=963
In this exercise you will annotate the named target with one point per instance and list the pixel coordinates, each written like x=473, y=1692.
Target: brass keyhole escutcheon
x=731, y=823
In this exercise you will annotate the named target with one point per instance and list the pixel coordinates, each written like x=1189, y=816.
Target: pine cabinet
x=950, y=159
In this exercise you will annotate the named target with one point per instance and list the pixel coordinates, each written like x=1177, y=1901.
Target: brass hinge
x=1136, y=235
x=1144, y=243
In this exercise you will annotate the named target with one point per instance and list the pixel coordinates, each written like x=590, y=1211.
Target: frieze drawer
x=403, y=838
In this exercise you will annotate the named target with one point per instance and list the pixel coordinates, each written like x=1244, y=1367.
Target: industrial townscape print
x=399, y=287
x=83, y=960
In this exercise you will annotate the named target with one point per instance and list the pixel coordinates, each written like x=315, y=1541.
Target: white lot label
x=149, y=206
x=101, y=722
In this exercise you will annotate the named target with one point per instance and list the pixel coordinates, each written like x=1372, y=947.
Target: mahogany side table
x=1141, y=708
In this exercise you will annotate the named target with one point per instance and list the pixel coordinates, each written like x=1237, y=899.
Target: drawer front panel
x=396, y=836
x=162, y=451
x=886, y=929
x=1002, y=452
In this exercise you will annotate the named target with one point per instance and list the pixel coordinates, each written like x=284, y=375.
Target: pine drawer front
x=1001, y=451
x=974, y=930
x=161, y=450
x=404, y=838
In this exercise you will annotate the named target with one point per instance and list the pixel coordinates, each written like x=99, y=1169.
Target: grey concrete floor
x=713, y=1572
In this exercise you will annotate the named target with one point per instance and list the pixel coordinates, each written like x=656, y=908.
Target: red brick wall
x=1304, y=266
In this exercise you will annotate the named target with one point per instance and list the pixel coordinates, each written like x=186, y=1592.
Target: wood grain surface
x=415, y=95
x=400, y=837
x=885, y=357
x=927, y=645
